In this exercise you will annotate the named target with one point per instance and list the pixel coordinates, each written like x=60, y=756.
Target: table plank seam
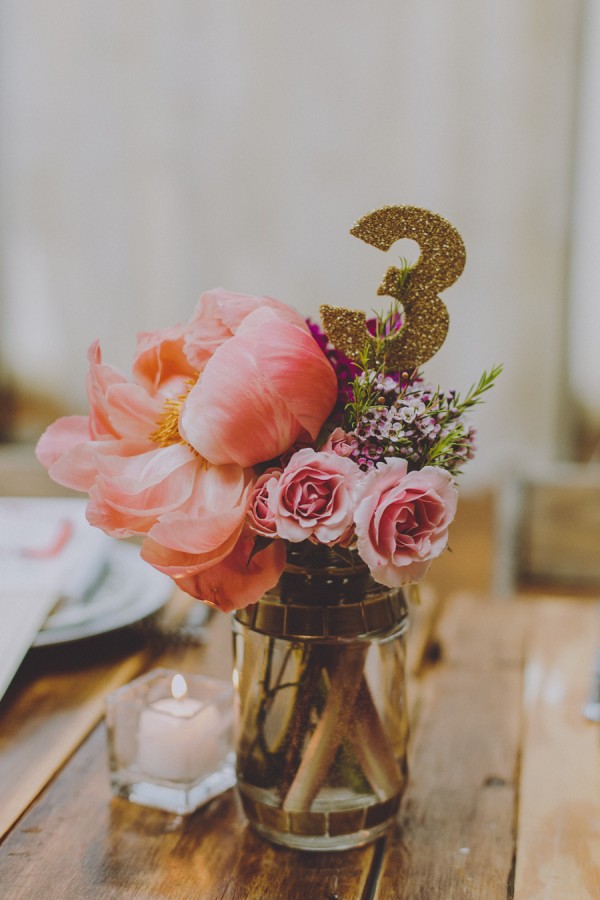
x=510, y=885
x=375, y=869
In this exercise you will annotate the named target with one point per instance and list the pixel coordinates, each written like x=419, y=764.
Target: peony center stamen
x=167, y=427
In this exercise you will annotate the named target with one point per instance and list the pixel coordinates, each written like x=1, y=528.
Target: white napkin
x=48, y=554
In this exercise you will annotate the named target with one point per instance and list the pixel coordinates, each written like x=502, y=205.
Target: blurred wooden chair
x=548, y=531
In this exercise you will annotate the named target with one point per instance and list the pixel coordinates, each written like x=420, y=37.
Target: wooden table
x=503, y=800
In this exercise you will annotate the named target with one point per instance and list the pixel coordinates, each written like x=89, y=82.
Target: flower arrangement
x=249, y=436
x=248, y=429
x=244, y=430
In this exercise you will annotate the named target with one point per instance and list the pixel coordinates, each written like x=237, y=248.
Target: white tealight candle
x=179, y=737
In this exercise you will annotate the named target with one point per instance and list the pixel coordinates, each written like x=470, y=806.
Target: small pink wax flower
x=314, y=497
x=402, y=519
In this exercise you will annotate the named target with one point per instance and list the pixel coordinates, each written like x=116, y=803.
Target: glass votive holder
x=170, y=740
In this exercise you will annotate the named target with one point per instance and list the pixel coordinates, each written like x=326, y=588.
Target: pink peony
x=260, y=517
x=262, y=390
x=314, y=497
x=168, y=455
x=402, y=519
x=142, y=479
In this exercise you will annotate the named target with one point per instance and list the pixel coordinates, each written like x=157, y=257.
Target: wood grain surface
x=559, y=806
x=57, y=698
x=502, y=801
x=455, y=827
x=44, y=718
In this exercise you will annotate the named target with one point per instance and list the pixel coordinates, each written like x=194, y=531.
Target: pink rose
x=260, y=517
x=340, y=442
x=313, y=497
x=402, y=519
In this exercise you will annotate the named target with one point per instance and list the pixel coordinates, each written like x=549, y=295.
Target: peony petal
x=61, y=437
x=216, y=507
x=114, y=522
x=132, y=412
x=295, y=366
x=198, y=536
x=135, y=472
x=129, y=494
x=257, y=394
x=218, y=488
x=235, y=582
x=160, y=362
x=78, y=468
x=178, y=563
x=99, y=379
x=230, y=416
x=148, y=499
x=218, y=316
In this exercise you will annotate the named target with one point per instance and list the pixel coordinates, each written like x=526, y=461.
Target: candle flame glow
x=179, y=687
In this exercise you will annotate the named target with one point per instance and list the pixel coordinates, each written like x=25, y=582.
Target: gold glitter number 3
x=425, y=324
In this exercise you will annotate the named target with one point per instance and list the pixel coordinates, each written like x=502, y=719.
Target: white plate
x=130, y=590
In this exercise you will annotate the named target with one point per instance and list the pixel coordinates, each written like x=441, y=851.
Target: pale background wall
x=584, y=281
x=152, y=150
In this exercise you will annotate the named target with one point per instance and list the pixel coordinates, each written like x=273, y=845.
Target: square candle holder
x=168, y=748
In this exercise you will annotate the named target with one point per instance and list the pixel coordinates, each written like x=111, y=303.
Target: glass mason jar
x=322, y=725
